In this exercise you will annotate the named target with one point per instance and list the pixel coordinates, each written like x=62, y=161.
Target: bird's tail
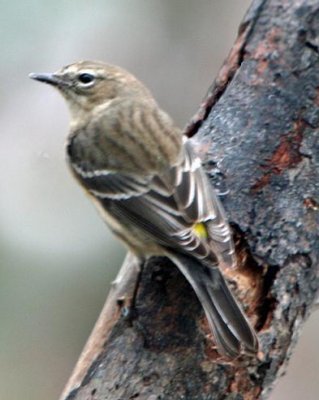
x=232, y=331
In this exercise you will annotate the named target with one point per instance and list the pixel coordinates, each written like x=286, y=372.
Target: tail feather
x=232, y=331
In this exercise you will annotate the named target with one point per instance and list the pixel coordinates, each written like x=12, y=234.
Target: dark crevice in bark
x=267, y=304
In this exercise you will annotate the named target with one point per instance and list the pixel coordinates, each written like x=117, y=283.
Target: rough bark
x=257, y=130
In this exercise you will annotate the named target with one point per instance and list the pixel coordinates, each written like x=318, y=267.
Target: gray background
x=56, y=256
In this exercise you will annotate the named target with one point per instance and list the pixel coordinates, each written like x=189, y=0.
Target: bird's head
x=88, y=84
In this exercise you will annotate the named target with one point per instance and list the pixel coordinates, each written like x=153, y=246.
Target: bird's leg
x=127, y=288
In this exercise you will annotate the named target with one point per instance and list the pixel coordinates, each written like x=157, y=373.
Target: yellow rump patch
x=200, y=230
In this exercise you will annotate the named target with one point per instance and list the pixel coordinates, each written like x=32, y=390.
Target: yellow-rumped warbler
x=150, y=187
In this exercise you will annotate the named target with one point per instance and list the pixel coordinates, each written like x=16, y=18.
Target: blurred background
x=56, y=256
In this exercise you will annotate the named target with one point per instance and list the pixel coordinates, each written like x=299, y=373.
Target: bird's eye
x=85, y=78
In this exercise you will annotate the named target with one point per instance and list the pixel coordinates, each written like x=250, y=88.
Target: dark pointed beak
x=49, y=78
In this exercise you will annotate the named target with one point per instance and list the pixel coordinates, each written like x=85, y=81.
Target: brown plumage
x=150, y=188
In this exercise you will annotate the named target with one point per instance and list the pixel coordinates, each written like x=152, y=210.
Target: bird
x=149, y=185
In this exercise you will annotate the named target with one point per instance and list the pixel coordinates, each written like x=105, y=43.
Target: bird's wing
x=169, y=207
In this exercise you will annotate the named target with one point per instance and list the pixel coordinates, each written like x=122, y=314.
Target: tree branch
x=257, y=131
